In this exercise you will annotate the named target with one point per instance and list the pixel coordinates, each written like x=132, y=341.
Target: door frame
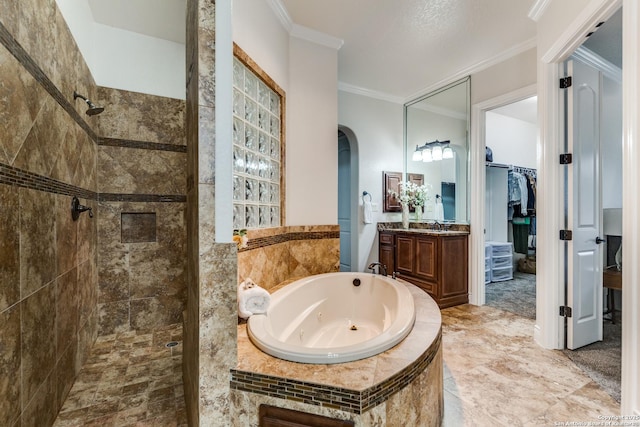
x=355, y=195
x=478, y=180
x=548, y=332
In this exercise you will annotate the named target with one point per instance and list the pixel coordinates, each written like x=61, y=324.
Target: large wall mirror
x=436, y=138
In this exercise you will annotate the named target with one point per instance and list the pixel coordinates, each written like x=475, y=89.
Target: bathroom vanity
x=435, y=260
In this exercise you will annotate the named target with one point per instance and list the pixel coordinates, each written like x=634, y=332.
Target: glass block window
x=257, y=145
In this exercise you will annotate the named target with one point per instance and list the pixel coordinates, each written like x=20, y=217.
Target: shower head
x=93, y=109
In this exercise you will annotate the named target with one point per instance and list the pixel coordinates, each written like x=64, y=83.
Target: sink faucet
x=437, y=225
x=380, y=266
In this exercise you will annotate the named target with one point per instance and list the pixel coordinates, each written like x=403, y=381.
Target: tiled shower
x=63, y=282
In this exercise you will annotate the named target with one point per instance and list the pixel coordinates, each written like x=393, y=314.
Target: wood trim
x=272, y=416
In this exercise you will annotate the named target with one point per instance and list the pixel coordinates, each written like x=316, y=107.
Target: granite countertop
x=428, y=228
x=360, y=374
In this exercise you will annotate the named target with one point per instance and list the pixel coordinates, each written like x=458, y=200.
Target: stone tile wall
x=141, y=169
x=129, y=159
x=275, y=255
x=210, y=343
x=48, y=262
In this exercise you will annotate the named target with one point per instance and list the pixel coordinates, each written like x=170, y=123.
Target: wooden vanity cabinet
x=437, y=263
x=386, y=250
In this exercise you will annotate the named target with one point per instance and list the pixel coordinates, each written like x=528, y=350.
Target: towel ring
x=364, y=193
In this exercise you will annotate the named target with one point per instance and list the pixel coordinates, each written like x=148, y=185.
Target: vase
x=405, y=216
x=418, y=213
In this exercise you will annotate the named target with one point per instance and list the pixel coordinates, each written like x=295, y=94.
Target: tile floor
x=130, y=379
x=495, y=375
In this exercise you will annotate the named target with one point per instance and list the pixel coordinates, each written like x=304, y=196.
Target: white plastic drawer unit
x=487, y=276
x=501, y=274
x=501, y=249
x=502, y=261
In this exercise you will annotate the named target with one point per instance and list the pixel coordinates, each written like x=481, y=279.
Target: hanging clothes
x=531, y=195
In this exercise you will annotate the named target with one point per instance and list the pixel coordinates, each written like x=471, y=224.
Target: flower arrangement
x=411, y=194
x=240, y=237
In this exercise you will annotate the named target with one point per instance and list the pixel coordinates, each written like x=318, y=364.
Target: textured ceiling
x=401, y=47
x=394, y=47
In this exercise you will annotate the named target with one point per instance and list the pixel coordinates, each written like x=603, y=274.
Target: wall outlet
x=374, y=207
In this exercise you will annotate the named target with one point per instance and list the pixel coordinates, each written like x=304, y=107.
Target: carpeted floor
x=601, y=361
x=517, y=296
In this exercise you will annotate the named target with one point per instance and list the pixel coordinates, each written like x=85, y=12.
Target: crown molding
x=357, y=90
x=281, y=13
x=502, y=56
x=301, y=32
x=313, y=36
x=538, y=9
x=609, y=69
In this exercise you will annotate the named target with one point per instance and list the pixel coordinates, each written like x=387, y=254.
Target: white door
x=584, y=291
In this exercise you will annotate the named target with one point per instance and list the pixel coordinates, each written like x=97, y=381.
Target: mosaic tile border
x=149, y=198
x=21, y=178
x=143, y=145
x=10, y=175
x=29, y=64
x=261, y=242
x=343, y=399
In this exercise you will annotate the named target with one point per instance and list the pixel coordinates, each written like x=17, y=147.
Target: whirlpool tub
x=334, y=318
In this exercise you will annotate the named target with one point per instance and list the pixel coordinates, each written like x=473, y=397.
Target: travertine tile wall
x=210, y=348
x=141, y=169
x=49, y=151
x=276, y=255
x=48, y=274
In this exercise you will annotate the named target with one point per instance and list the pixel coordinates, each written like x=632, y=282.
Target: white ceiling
x=401, y=47
x=606, y=41
x=393, y=47
x=164, y=19
x=525, y=110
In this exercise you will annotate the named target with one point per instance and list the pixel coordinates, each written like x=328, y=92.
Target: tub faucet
x=381, y=267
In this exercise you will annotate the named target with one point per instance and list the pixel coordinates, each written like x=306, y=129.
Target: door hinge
x=565, y=82
x=565, y=311
x=566, y=235
x=566, y=159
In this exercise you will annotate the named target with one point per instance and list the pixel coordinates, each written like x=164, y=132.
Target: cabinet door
x=426, y=261
x=386, y=251
x=454, y=280
x=405, y=249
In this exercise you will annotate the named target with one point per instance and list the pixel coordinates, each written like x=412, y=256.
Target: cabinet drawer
x=501, y=261
x=386, y=239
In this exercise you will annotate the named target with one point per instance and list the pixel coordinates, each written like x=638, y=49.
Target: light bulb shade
x=417, y=155
x=447, y=153
x=426, y=155
x=437, y=153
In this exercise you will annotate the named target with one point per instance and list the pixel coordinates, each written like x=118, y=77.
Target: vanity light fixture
x=436, y=152
x=417, y=155
x=433, y=151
